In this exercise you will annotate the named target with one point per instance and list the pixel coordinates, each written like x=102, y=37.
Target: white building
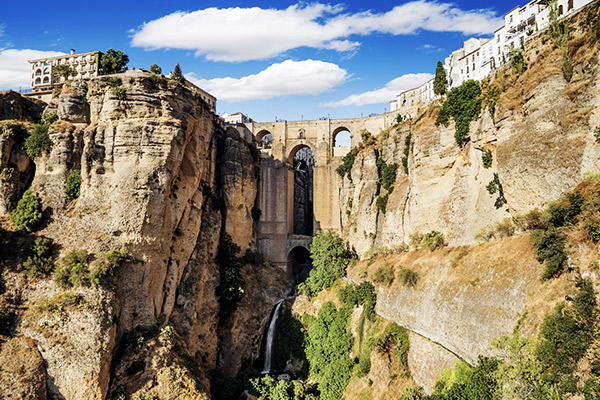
x=236, y=118
x=42, y=78
x=478, y=58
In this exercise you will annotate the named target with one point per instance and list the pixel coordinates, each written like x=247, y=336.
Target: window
x=467, y=69
x=510, y=19
x=560, y=10
x=570, y=5
x=473, y=66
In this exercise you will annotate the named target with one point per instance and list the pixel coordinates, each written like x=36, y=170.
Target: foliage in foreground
x=463, y=104
x=330, y=258
x=28, y=213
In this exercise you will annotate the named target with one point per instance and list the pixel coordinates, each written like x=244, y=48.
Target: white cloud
x=15, y=71
x=385, y=94
x=242, y=34
x=278, y=80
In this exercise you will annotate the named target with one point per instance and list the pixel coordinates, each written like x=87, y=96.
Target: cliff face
x=162, y=178
x=541, y=138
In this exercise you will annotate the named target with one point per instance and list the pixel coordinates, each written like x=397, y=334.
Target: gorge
x=153, y=270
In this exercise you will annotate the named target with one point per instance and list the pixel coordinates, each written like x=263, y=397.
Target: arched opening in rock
x=299, y=264
x=302, y=163
x=264, y=139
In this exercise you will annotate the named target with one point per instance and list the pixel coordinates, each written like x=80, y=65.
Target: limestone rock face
x=16, y=168
x=22, y=371
x=542, y=143
x=15, y=106
x=162, y=178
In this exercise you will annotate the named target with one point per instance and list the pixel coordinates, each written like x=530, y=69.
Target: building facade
x=236, y=118
x=479, y=57
x=43, y=75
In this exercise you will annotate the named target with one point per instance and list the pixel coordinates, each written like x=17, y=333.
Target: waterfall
x=270, y=343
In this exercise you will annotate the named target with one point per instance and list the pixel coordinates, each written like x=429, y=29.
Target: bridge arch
x=264, y=139
x=299, y=264
x=341, y=137
x=301, y=165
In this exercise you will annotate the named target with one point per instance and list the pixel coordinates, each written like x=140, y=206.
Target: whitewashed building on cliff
x=42, y=78
x=479, y=57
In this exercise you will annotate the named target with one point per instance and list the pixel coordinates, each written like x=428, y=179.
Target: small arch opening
x=299, y=264
x=264, y=139
x=46, y=79
x=342, y=138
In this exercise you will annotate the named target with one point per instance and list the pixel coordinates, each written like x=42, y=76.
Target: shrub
x=157, y=80
x=39, y=260
x=166, y=334
x=382, y=202
x=91, y=153
x=106, y=264
x=597, y=130
x=59, y=302
x=291, y=341
x=72, y=269
x=505, y=228
x=492, y=96
x=364, y=294
x=6, y=174
x=567, y=66
x=591, y=389
x=495, y=186
x=407, y=276
x=517, y=61
x=38, y=141
x=393, y=339
x=330, y=258
x=387, y=174
x=73, y=183
x=407, y=147
x=566, y=335
x=28, y=213
x=155, y=69
x=384, y=275
x=231, y=286
x=115, y=82
x=119, y=92
x=463, y=104
x=367, y=138
x=255, y=258
x=487, y=158
x=6, y=317
x=564, y=212
x=412, y=393
x=531, y=220
x=347, y=163
x=550, y=248
x=433, y=240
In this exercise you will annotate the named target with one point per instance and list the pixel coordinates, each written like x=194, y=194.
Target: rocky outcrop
x=22, y=370
x=164, y=179
x=16, y=168
x=541, y=138
x=14, y=106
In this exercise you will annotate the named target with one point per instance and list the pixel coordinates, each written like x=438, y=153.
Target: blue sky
x=284, y=59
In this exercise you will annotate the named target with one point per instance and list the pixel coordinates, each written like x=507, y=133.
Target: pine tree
x=439, y=83
x=177, y=75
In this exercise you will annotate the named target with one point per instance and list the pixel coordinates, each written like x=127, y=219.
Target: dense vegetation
x=28, y=213
x=38, y=141
x=231, y=286
x=347, y=163
x=73, y=183
x=330, y=258
x=463, y=104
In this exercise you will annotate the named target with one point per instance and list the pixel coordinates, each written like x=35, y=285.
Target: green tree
x=39, y=258
x=155, y=69
x=330, y=258
x=64, y=70
x=28, y=213
x=439, y=82
x=113, y=61
x=463, y=104
x=73, y=183
x=177, y=74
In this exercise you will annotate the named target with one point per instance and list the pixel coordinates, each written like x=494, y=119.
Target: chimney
x=72, y=51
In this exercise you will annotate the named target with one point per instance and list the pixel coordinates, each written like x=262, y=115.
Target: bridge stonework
x=276, y=187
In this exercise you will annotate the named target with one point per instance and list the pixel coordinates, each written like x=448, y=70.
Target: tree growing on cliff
x=28, y=213
x=155, y=69
x=439, y=83
x=330, y=258
x=177, y=75
x=113, y=61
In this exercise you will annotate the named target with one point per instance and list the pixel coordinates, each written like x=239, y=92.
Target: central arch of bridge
x=299, y=188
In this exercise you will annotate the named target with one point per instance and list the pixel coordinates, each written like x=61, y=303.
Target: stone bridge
x=280, y=196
